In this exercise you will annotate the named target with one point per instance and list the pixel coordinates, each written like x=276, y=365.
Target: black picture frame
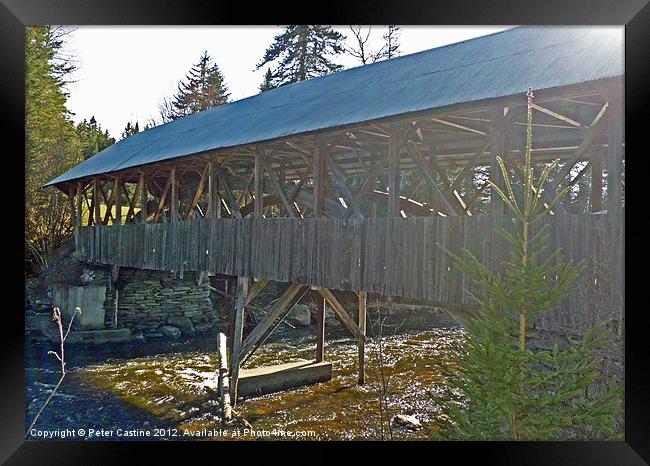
x=16, y=14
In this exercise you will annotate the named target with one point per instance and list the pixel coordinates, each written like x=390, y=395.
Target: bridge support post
x=496, y=150
x=596, y=181
x=614, y=149
x=361, y=341
x=238, y=333
x=394, y=173
x=320, y=332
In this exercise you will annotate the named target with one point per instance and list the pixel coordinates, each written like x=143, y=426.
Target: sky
x=124, y=72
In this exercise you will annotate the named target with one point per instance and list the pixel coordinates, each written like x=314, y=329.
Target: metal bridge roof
x=497, y=65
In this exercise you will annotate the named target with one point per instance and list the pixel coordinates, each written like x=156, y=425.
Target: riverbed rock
x=300, y=316
x=183, y=323
x=170, y=331
x=404, y=420
x=330, y=318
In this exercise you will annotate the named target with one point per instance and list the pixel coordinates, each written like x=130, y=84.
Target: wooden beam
x=91, y=207
x=593, y=131
x=341, y=313
x=199, y=192
x=254, y=290
x=110, y=201
x=415, y=186
x=73, y=213
x=394, y=174
x=450, y=193
x=211, y=190
x=274, y=325
x=259, y=185
x=118, y=200
x=132, y=201
x=96, y=189
x=231, y=202
x=339, y=180
x=214, y=200
x=320, y=329
x=224, y=383
x=144, y=198
x=79, y=214
x=319, y=179
x=557, y=115
x=456, y=125
x=242, y=291
x=289, y=207
x=361, y=342
x=371, y=180
x=163, y=199
x=596, y=182
x=465, y=172
x=279, y=310
x=477, y=195
x=497, y=147
x=615, y=134
x=173, y=208
x=413, y=151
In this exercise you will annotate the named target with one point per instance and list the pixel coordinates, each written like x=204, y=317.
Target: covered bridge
x=344, y=182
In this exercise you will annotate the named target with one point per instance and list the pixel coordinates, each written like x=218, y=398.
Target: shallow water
x=172, y=386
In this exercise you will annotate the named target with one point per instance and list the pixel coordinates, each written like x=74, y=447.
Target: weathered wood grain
x=389, y=256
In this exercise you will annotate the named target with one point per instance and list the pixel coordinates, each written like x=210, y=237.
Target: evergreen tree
x=511, y=392
x=267, y=84
x=92, y=138
x=203, y=88
x=130, y=130
x=51, y=143
x=302, y=53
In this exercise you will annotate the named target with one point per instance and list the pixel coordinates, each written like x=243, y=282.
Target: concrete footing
x=263, y=380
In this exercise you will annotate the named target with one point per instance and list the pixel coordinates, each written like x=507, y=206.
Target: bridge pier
x=243, y=348
x=238, y=331
x=362, y=341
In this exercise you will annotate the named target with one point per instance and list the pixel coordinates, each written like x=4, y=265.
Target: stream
x=167, y=389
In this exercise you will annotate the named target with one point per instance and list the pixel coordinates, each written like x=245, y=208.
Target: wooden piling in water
x=320, y=332
x=361, y=341
x=240, y=303
x=224, y=385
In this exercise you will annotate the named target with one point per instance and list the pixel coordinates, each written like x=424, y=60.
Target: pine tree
x=92, y=138
x=267, y=84
x=510, y=392
x=130, y=130
x=51, y=143
x=203, y=88
x=302, y=53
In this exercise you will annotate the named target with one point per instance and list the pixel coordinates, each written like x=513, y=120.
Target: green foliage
x=130, y=129
x=267, y=84
x=51, y=142
x=92, y=138
x=202, y=89
x=302, y=52
x=512, y=392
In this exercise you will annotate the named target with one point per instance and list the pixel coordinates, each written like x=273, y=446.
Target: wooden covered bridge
x=349, y=181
